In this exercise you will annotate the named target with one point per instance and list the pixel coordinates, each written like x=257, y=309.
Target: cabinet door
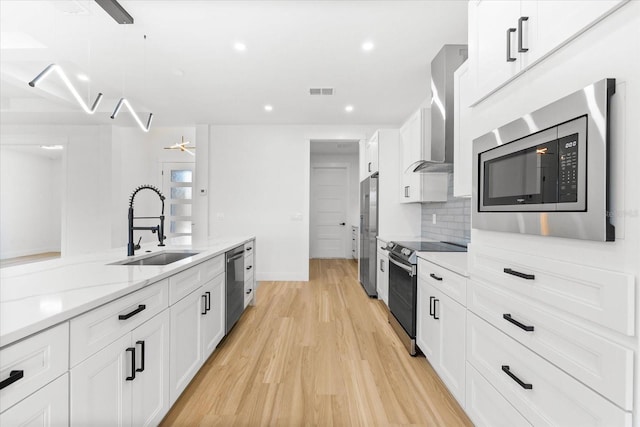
x=427, y=327
x=150, y=400
x=213, y=320
x=100, y=391
x=364, y=160
x=47, y=407
x=489, y=21
x=451, y=318
x=383, y=277
x=462, y=144
x=186, y=344
x=372, y=149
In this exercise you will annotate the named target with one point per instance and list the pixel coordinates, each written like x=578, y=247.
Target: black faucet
x=157, y=229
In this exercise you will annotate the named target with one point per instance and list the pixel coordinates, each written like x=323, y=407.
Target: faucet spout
x=131, y=247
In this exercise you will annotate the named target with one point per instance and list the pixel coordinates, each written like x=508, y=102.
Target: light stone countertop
x=454, y=261
x=39, y=295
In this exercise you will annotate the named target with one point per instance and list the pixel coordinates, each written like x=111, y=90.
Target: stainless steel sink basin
x=162, y=258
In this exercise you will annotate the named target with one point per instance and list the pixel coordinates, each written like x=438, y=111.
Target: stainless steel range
x=403, y=284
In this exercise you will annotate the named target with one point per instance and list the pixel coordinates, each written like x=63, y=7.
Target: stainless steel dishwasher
x=234, y=286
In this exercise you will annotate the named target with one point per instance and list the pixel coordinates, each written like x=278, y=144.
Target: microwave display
x=543, y=173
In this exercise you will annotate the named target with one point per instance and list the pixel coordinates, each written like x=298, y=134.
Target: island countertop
x=36, y=296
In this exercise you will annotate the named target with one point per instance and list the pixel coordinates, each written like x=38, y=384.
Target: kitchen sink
x=162, y=258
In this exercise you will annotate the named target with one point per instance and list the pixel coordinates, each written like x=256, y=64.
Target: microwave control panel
x=568, y=169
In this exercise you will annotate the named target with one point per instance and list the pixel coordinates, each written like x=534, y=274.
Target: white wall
x=259, y=185
x=30, y=202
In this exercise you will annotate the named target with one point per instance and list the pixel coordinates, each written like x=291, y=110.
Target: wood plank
x=315, y=353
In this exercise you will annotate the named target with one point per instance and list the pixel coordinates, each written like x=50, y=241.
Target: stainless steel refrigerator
x=368, y=233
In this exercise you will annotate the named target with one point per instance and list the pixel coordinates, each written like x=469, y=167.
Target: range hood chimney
x=450, y=57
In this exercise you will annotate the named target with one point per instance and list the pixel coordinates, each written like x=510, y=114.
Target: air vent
x=321, y=91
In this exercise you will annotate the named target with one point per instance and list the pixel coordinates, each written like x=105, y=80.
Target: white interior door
x=177, y=187
x=329, y=194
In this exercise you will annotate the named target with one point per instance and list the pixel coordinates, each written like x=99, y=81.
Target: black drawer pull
x=521, y=48
x=508, y=318
x=431, y=306
x=250, y=267
x=13, y=377
x=248, y=249
x=509, y=57
x=249, y=291
x=435, y=316
x=518, y=274
x=132, y=350
x=433, y=276
x=133, y=313
x=204, y=305
x=141, y=344
x=208, y=301
x=522, y=384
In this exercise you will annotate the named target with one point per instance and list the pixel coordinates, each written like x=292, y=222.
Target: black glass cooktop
x=433, y=246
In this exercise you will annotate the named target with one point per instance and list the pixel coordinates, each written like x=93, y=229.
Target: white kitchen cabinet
x=213, y=320
x=126, y=383
x=186, y=341
x=462, y=138
x=369, y=156
x=441, y=331
x=507, y=37
x=382, y=281
x=47, y=407
x=415, y=146
x=355, y=237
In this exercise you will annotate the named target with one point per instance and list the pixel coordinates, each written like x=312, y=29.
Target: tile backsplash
x=453, y=218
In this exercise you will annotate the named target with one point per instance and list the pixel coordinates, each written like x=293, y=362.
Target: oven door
x=403, y=283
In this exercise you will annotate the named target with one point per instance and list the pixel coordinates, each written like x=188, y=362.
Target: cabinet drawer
x=545, y=395
x=185, y=282
x=212, y=268
x=249, y=247
x=601, y=364
x=97, y=328
x=447, y=281
x=486, y=407
x=248, y=266
x=34, y=362
x=49, y=406
x=600, y=296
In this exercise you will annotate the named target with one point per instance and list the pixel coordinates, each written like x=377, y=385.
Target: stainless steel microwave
x=547, y=173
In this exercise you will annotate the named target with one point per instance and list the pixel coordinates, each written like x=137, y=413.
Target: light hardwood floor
x=315, y=353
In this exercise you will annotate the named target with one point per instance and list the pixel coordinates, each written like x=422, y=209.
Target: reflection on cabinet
x=48, y=407
x=462, y=138
x=505, y=38
x=126, y=382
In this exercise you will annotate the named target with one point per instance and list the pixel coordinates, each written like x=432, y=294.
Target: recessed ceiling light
x=367, y=46
x=83, y=77
x=268, y=107
x=348, y=108
x=240, y=47
x=52, y=147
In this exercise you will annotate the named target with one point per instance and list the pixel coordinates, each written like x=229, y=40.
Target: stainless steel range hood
x=450, y=57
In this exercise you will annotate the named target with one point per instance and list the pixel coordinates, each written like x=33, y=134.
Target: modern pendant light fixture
x=60, y=72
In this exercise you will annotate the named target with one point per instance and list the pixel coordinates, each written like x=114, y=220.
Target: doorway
x=177, y=187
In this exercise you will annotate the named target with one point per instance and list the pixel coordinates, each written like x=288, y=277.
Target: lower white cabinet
x=382, y=281
x=213, y=320
x=48, y=407
x=440, y=334
x=126, y=382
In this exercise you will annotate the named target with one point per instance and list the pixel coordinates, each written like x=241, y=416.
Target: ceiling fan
x=182, y=146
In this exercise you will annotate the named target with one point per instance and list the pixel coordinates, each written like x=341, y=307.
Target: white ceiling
x=187, y=70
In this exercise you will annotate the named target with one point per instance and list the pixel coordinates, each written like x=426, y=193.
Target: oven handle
x=409, y=270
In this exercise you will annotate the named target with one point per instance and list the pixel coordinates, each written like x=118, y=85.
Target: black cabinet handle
x=204, y=304
x=132, y=350
x=142, y=357
x=509, y=57
x=133, y=313
x=369, y=167
x=518, y=274
x=13, y=377
x=431, y=306
x=248, y=249
x=343, y=223
x=249, y=291
x=208, y=301
x=520, y=47
x=434, y=309
x=522, y=384
x=250, y=267
x=508, y=318
x=433, y=276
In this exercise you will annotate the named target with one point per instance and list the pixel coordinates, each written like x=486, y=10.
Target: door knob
x=343, y=223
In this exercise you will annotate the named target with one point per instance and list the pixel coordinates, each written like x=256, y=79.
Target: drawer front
x=249, y=289
x=248, y=265
x=486, y=407
x=185, y=282
x=603, y=365
x=553, y=399
x=49, y=406
x=34, y=362
x=96, y=329
x=447, y=281
x=249, y=248
x=600, y=296
x=212, y=268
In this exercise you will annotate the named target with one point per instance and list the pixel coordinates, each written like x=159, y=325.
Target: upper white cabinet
x=415, y=146
x=462, y=142
x=369, y=156
x=506, y=37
